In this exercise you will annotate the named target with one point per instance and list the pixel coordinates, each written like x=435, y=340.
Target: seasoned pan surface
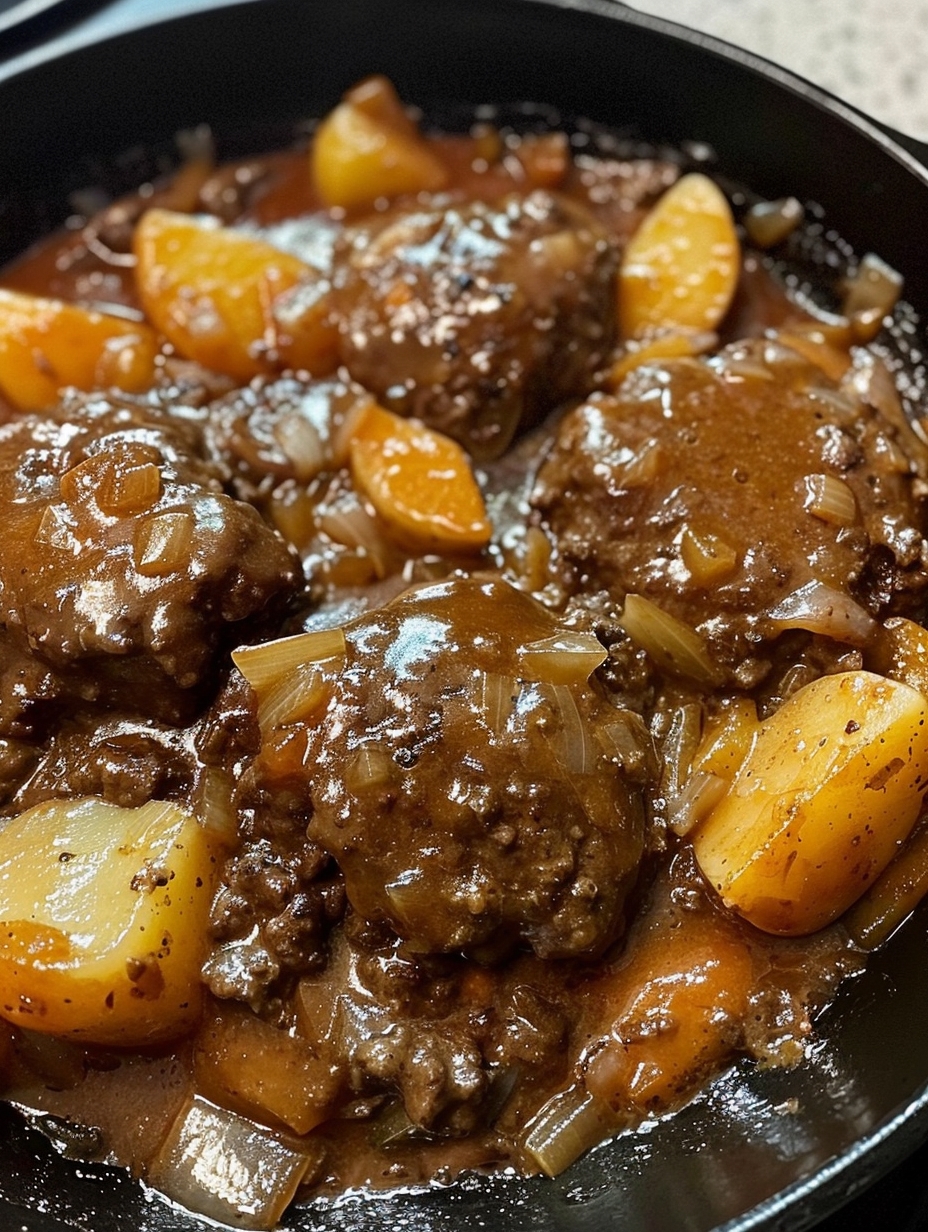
x=757, y=1150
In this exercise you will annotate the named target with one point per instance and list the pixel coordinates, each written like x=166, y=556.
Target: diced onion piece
x=627, y=742
x=267, y=663
x=162, y=543
x=213, y=803
x=896, y=894
x=771, y=222
x=221, y=1165
x=347, y=521
x=104, y=913
x=296, y=697
x=708, y=558
x=47, y=344
x=674, y=646
x=727, y=738
x=367, y=148
x=822, y=609
x=830, y=499
x=371, y=768
x=871, y=295
x=419, y=483
x=818, y=346
x=302, y=445
x=678, y=746
x=570, y=1123
x=130, y=489
x=681, y=266
x=833, y=784
x=563, y=658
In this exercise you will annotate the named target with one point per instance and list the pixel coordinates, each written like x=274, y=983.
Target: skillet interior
x=252, y=71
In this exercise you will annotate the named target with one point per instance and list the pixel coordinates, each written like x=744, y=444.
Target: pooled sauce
x=410, y=570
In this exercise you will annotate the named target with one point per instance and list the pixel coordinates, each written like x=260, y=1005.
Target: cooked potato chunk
x=229, y=300
x=46, y=344
x=368, y=148
x=681, y=266
x=832, y=785
x=103, y=914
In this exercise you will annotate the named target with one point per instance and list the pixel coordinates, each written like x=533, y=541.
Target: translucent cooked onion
x=301, y=443
x=770, y=222
x=708, y=558
x=570, y=741
x=871, y=295
x=264, y=665
x=822, y=609
x=564, y=658
x=346, y=521
x=678, y=747
x=674, y=646
x=162, y=543
x=830, y=499
x=212, y=802
x=569, y=1124
x=699, y=796
x=299, y=695
x=494, y=697
x=628, y=743
x=223, y=1166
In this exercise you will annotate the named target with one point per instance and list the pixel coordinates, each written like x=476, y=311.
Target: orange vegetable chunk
x=229, y=300
x=419, y=482
x=47, y=344
x=681, y=266
x=368, y=148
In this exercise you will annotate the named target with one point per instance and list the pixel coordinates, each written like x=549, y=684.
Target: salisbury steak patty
x=744, y=494
x=478, y=318
x=121, y=552
x=466, y=783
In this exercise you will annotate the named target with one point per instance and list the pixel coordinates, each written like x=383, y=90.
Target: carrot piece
x=47, y=344
x=229, y=300
x=681, y=266
x=367, y=147
x=677, y=1007
x=419, y=482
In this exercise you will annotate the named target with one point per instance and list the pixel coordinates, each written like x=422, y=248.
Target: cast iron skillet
x=759, y=1151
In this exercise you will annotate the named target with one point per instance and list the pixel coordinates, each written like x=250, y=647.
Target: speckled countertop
x=871, y=53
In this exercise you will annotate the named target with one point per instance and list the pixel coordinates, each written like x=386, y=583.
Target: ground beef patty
x=680, y=489
x=478, y=318
x=468, y=790
x=123, y=560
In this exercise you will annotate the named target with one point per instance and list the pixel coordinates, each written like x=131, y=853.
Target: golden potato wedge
x=831, y=787
x=681, y=266
x=103, y=914
x=229, y=300
x=47, y=344
x=367, y=148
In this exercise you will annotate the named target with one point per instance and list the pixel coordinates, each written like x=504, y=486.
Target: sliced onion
x=221, y=1165
x=346, y=521
x=565, y=658
x=130, y=489
x=570, y=741
x=674, y=646
x=372, y=768
x=298, y=696
x=830, y=499
x=627, y=742
x=495, y=696
x=708, y=558
x=678, y=747
x=822, y=609
x=570, y=1123
x=213, y=803
x=265, y=664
